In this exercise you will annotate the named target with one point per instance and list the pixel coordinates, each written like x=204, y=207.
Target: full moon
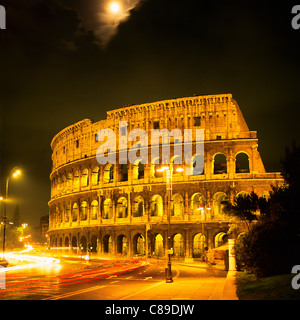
x=114, y=7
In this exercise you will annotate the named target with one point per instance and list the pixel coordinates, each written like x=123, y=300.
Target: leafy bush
x=268, y=249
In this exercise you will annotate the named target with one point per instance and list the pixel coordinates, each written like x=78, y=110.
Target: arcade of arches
x=205, y=228
x=111, y=241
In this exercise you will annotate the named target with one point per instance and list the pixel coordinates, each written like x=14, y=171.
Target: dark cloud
x=56, y=73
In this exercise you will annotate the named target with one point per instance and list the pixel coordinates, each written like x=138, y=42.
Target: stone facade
x=123, y=209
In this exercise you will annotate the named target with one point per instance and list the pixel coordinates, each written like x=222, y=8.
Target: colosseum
x=127, y=209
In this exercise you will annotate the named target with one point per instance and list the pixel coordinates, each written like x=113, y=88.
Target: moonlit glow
x=110, y=15
x=114, y=7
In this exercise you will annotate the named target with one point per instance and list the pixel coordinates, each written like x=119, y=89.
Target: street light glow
x=16, y=173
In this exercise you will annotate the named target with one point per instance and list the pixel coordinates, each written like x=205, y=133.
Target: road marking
x=129, y=277
x=147, y=278
x=137, y=293
x=111, y=277
x=73, y=293
x=114, y=281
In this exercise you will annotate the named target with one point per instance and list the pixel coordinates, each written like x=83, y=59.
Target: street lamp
x=169, y=184
x=15, y=172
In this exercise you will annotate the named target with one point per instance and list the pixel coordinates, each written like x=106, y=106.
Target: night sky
x=66, y=60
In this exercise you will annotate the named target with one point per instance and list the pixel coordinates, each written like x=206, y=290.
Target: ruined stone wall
x=91, y=201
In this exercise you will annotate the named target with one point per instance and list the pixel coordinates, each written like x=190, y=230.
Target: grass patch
x=279, y=287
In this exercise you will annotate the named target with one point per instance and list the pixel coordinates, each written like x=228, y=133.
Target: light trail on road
x=48, y=283
x=33, y=260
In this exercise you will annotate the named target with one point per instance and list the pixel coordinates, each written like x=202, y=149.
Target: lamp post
x=169, y=185
x=15, y=172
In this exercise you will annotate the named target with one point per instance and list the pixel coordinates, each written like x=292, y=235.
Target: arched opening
x=159, y=245
x=74, y=242
x=220, y=239
x=95, y=176
x=85, y=178
x=177, y=205
x=69, y=182
x=94, y=210
x=107, y=209
x=122, y=244
x=107, y=244
x=58, y=215
x=156, y=164
x=83, y=213
x=178, y=245
x=138, y=170
x=108, y=173
x=63, y=183
x=58, y=184
x=242, y=194
x=75, y=211
x=83, y=244
x=141, y=170
x=124, y=172
x=264, y=203
x=198, y=165
x=138, y=207
x=198, y=245
x=156, y=209
x=67, y=212
x=94, y=243
x=67, y=242
x=139, y=244
x=219, y=164
x=218, y=207
x=76, y=180
x=122, y=208
x=176, y=163
x=242, y=163
x=240, y=235
x=198, y=203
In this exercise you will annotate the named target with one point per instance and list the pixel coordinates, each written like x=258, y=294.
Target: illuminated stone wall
x=124, y=209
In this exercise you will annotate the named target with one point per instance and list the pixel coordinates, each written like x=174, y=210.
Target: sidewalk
x=206, y=288
x=228, y=292
x=229, y=287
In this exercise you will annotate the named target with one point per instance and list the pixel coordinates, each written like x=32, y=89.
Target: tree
x=269, y=248
x=284, y=202
x=244, y=208
x=272, y=245
x=291, y=167
x=264, y=206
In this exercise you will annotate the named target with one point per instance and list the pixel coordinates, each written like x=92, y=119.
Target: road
x=127, y=279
